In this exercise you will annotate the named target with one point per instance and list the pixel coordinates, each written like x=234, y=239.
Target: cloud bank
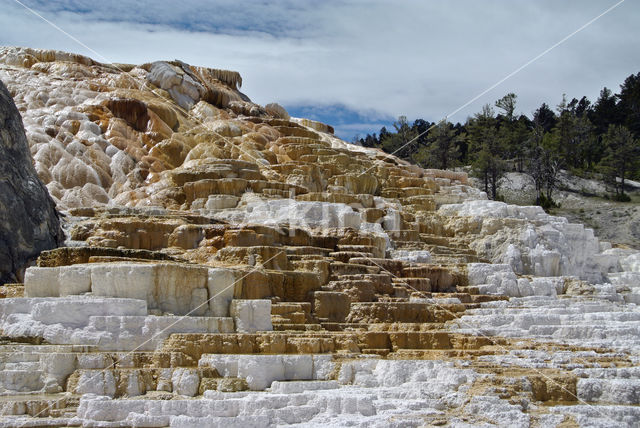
x=357, y=64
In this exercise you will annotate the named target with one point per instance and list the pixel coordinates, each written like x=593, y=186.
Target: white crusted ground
x=565, y=287
x=310, y=215
x=109, y=310
x=368, y=392
x=106, y=323
x=533, y=253
x=580, y=321
x=128, y=306
x=533, y=242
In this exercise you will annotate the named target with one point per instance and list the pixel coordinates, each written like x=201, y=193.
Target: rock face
x=29, y=222
x=229, y=265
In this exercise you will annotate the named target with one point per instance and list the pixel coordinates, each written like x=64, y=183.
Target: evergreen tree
x=441, y=150
x=421, y=126
x=535, y=164
x=384, y=134
x=463, y=142
x=621, y=157
x=584, y=142
x=604, y=112
x=369, y=141
x=512, y=131
x=573, y=135
x=581, y=107
x=563, y=143
x=398, y=142
x=629, y=104
x=545, y=117
x=508, y=105
x=578, y=137
x=485, y=150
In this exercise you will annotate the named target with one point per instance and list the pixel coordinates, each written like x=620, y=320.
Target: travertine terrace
x=228, y=265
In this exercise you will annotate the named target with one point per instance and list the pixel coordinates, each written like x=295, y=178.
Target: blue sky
x=348, y=123
x=357, y=65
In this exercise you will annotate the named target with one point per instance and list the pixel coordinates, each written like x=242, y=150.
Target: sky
x=358, y=65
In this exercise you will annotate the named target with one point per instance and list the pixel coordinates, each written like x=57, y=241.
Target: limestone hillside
x=228, y=265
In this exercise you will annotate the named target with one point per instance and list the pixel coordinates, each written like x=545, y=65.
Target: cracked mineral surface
x=228, y=265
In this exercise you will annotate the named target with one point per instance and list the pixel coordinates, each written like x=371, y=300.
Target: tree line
x=600, y=139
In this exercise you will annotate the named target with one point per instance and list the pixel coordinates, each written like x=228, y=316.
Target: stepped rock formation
x=28, y=219
x=229, y=265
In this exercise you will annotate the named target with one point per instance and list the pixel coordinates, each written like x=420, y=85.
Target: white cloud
x=418, y=58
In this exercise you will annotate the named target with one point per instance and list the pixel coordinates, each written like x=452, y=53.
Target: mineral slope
x=229, y=265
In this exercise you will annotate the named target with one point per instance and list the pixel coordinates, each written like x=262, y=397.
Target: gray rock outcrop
x=29, y=222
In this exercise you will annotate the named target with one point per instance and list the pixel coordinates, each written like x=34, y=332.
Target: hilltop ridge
x=228, y=265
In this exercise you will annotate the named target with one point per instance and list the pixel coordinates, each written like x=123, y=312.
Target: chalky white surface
x=172, y=288
x=369, y=392
x=107, y=323
x=532, y=241
x=581, y=321
x=251, y=315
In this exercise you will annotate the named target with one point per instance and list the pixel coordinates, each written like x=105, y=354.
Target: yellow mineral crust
x=217, y=248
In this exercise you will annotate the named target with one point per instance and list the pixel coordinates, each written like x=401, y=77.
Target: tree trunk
x=494, y=185
x=486, y=182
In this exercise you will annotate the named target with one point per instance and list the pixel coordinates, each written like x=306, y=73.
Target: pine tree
x=510, y=131
x=621, y=157
x=604, y=112
x=441, y=149
x=398, y=142
x=486, y=150
x=545, y=117
x=629, y=104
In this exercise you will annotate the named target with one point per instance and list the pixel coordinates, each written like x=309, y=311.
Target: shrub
x=547, y=203
x=621, y=197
